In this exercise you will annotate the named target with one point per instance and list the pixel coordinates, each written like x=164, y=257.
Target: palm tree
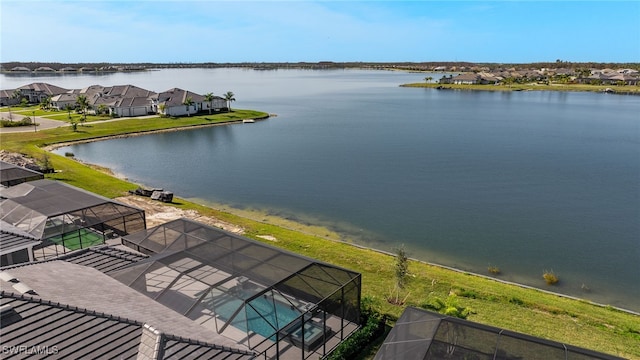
x=45, y=104
x=84, y=105
x=102, y=109
x=209, y=98
x=188, y=102
x=68, y=107
x=229, y=97
x=428, y=79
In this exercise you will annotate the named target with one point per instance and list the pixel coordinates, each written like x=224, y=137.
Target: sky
x=164, y=31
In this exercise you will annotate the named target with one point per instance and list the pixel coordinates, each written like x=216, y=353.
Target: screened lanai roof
x=423, y=335
x=211, y=275
x=11, y=174
x=28, y=206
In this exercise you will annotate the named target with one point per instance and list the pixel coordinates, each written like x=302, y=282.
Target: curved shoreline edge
x=536, y=311
x=55, y=146
x=226, y=209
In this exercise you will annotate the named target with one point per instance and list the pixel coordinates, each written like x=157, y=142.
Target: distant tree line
x=6, y=66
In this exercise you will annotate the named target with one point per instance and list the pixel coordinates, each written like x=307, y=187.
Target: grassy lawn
x=494, y=303
x=532, y=87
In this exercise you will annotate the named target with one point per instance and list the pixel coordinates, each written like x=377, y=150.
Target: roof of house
x=84, y=287
x=36, y=326
x=29, y=205
x=11, y=242
x=10, y=174
x=467, y=77
x=176, y=97
x=65, y=97
x=45, y=88
x=50, y=197
x=127, y=91
x=105, y=259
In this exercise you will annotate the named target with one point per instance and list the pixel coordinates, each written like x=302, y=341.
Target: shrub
x=550, y=278
x=374, y=327
x=450, y=307
x=26, y=121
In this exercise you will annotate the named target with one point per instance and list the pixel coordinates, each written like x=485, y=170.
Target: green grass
x=491, y=302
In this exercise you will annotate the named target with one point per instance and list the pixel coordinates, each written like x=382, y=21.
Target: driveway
x=44, y=123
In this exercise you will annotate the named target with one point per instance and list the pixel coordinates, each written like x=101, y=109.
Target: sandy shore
x=157, y=213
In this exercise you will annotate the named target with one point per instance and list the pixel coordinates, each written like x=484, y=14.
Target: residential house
x=36, y=92
x=60, y=102
x=172, y=102
x=471, y=78
x=44, y=69
x=120, y=100
x=7, y=98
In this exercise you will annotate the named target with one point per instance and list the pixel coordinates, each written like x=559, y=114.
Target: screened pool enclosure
x=280, y=304
x=424, y=335
x=64, y=217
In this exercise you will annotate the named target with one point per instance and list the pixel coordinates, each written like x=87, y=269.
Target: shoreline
x=55, y=146
x=512, y=306
x=603, y=89
x=296, y=225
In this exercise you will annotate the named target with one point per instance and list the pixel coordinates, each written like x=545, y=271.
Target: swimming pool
x=265, y=315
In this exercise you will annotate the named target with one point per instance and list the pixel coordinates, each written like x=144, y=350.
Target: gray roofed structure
x=422, y=335
x=105, y=259
x=44, y=88
x=255, y=293
x=10, y=242
x=176, y=97
x=35, y=327
x=76, y=285
x=15, y=247
x=67, y=216
x=11, y=174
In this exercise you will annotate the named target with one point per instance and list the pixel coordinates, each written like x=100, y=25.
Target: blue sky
x=292, y=31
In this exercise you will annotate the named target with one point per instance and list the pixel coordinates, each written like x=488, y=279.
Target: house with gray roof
x=60, y=309
x=36, y=92
x=172, y=103
x=122, y=100
x=61, y=101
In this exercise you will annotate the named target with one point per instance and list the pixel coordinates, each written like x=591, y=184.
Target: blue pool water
x=262, y=315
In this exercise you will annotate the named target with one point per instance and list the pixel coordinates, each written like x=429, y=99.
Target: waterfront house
x=36, y=92
x=60, y=101
x=172, y=102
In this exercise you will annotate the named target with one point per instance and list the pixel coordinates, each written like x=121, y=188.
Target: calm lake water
x=526, y=181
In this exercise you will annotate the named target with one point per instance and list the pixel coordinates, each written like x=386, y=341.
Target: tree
x=209, y=98
x=102, y=109
x=45, y=104
x=68, y=107
x=401, y=272
x=83, y=103
x=229, y=97
x=188, y=102
x=402, y=267
x=428, y=79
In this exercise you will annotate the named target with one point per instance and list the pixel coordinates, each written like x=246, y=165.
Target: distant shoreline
x=611, y=89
